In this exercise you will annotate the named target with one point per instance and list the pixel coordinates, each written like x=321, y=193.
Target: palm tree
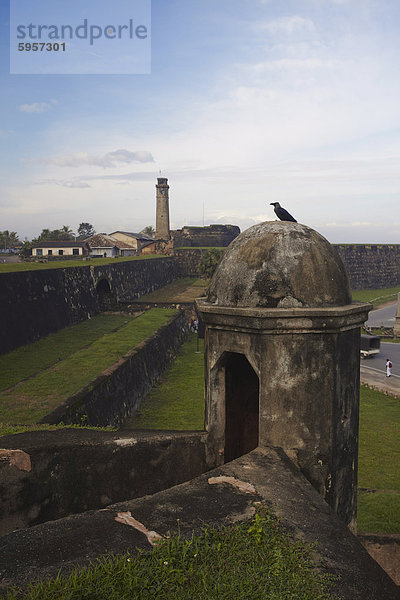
x=45, y=235
x=65, y=233
x=149, y=230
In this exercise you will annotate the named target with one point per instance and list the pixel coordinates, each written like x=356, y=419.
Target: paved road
x=382, y=316
x=377, y=364
x=9, y=258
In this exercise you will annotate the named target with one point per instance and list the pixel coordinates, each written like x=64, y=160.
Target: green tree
x=65, y=233
x=26, y=248
x=85, y=230
x=45, y=235
x=209, y=262
x=8, y=239
x=149, y=230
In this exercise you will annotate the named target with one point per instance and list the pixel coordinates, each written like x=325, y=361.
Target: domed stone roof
x=280, y=264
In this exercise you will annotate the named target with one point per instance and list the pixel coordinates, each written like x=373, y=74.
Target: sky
x=247, y=102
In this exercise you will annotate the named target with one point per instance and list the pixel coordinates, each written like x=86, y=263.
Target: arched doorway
x=241, y=406
x=105, y=296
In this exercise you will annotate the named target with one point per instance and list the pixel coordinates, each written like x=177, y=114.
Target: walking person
x=388, y=368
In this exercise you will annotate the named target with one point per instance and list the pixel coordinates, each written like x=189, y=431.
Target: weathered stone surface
x=76, y=470
x=280, y=264
x=16, y=458
x=188, y=260
x=307, y=364
x=45, y=549
x=282, y=356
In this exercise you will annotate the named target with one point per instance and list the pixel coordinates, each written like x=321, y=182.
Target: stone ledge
x=277, y=320
x=74, y=541
x=47, y=475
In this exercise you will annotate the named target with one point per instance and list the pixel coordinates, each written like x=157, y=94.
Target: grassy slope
x=180, y=290
x=250, y=560
x=62, y=264
x=376, y=297
x=32, y=399
x=379, y=463
x=28, y=360
x=177, y=402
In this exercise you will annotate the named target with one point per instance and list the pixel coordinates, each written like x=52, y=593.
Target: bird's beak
x=272, y=203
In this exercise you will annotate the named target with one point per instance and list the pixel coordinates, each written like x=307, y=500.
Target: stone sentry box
x=282, y=356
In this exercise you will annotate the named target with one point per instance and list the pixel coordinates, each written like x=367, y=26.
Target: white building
x=60, y=248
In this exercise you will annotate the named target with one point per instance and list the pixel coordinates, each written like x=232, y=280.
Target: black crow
x=281, y=213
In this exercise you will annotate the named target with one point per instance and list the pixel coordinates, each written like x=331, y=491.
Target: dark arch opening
x=241, y=407
x=103, y=287
x=105, y=296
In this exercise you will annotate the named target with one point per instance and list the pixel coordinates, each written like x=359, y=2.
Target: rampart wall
x=36, y=303
x=211, y=235
x=188, y=261
x=115, y=394
x=371, y=266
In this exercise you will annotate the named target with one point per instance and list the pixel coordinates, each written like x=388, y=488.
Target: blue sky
x=248, y=102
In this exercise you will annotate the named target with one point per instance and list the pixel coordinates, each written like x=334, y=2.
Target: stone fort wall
x=117, y=392
x=371, y=266
x=74, y=470
x=34, y=304
x=212, y=235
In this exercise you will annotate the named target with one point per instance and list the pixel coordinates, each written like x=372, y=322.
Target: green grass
x=13, y=429
x=379, y=512
x=379, y=443
x=251, y=560
x=32, y=399
x=63, y=264
x=180, y=290
x=177, y=402
x=376, y=297
x=28, y=360
x=379, y=463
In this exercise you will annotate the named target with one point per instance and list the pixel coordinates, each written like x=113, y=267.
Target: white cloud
x=109, y=160
x=125, y=156
x=68, y=183
x=35, y=107
x=310, y=119
x=82, y=181
x=294, y=64
x=287, y=25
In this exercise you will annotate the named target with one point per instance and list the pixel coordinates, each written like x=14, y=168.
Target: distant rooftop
x=60, y=244
x=137, y=236
x=102, y=240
